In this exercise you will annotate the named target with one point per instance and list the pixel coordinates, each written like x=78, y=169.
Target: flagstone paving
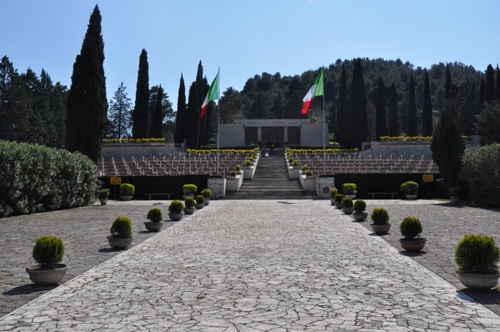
x=257, y=266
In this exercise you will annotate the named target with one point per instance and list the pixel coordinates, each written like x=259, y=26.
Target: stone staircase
x=271, y=181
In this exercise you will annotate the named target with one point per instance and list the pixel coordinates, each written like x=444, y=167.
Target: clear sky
x=245, y=37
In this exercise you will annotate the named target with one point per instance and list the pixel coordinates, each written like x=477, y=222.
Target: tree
x=412, y=110
x=229, y=105
x=381, y=119
x=140, y=115
x=427, y=127
x=156, y=127
x=341, y=108
x=87, y=105
x=490, y=92
x=393, y=128
x=488, y=122
x=356, y=110
x=180, y=117
x=447, y=90
x=192, y=118
x=119, y=114
x=498, y=84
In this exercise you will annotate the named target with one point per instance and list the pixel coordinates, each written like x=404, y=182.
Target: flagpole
x=217, y=171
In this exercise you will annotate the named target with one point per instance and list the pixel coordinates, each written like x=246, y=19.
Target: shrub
x=477, y=254
x=379, y=216
x=359, y=206
x=295, y=163
x=103, y=193
x=410, y=227
x=349, y=188
x=232, y=173
x=309, y=173
x=238, y=168
x=207, y=193
x=189, y=202
x=347, y=203
x=155, y=215
x=248, y=162
x=127, y=189
x=338, y=198
x=48, y=251
x=176, y=207
x=189, y=189
x=35, y=178
x=305, y=167
x=409, y=188
x=333, y=192
x=121, y=227
x=199, y=199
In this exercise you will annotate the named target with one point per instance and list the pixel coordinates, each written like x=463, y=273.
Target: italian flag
x=212, y=94
x=315, y=90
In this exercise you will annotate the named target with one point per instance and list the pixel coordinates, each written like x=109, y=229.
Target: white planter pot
x=478, y=281
x=413, y=245
x=119, y=242
x=47, y=277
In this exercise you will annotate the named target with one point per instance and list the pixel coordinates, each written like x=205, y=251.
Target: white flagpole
x=217, y=171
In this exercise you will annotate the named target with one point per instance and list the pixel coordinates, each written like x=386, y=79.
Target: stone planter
x=199, y=205
x=119, y=242
x=413, y=245
x=126, y=198
x=332, y=201
x=350, y=196
x=47, y=277
x=338, y=205
x=153, y=226
x=104, y=200
x=361, y=216
x=478, y=281
x=381, y=229
x=175, y=216
x=206, y=200
x=347, y=210
x=411, y=197
x=189, y=210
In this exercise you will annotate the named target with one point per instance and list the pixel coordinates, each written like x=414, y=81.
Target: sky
x=245, y=38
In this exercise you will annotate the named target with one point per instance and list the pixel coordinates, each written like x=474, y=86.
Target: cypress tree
x=447, y=87
x=490, y=93
x=394, y=128
x=381, y=119
x=140, y=115
x=427, y=128
x=412, y=110
x=482, y=95
x=498, y=84
x=87, y=104
x=356, y=110
x=341, y=107
x=180, y=117
x=192, y=118
x=156, y=130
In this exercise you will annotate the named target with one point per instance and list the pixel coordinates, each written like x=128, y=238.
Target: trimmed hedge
x=35, y=178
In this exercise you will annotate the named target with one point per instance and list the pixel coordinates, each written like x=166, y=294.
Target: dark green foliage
x=356, y=110
x=189, y=189
x=498, y=85
x=180, y=117
x=447, y=91
x=467, y=106
x=156, y=128
x=410, y=227
x=347, y=203
x=427, y=127
x=140, y=115
x=199, y=199
x=379, y=216
x=359, y=206
x=393, y=126
x=481, y=171
x=490, y=92
x=409, y=188
x=121, y=227
x=155, y=215
x=119, y=114
x=176, y=207
x=381, y=118
x=189, y=202
x=127, y=189
x=87, y=104
x=488, y=123
x=341, y=108
x=339, y=198
x=34, y=178
x=192, y=118
x=207, y=193
x=48, y=251
x=412, y=110
x=104, y=193
x=477, y=254
x=349, y=188
x=333, y=192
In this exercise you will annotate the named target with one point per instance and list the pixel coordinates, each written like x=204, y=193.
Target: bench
x=159, y=194
x=392, y=193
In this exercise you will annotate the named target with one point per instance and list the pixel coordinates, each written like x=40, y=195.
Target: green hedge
x=35, y=178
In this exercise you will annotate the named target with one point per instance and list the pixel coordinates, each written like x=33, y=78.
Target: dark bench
x=159, y=194
x=392, y=193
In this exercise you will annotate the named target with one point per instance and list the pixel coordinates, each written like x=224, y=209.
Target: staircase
x=271, y=181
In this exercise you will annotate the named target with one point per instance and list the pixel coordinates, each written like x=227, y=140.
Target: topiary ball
x=155, y=215
x=121, y=227
x=379, y=216
x=48, y=251
x=359, y=206
x=410, y=227
x=477, y=254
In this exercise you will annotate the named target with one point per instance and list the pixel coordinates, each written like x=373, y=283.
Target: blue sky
x=245, y=37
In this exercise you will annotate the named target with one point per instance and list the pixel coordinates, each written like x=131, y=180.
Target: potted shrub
x=238, y=169
x=103, y=196
x=199, y=201
x=380, y=219
x=232, y=174
x=411, y=228
x=248, y=163
x=48, y=253
x=454, y=195
x=333, y=193
x=295, y=164
x=347, y=205
x=175, y=210
x=350, y=190
x=207, y=193
x=189, y=190
x=127, y=190
x=121, y=233
x=309, y=174
x=359, y=210
x=476, y=257
x=189, y=206
x=410, y=189
x=338, y=200
x=304, y=168
x=155, y=217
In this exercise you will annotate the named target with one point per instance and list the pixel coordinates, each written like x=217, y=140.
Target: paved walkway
x=257, y=266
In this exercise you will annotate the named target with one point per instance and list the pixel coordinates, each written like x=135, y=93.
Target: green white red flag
x=212, y=94
x=315, y=90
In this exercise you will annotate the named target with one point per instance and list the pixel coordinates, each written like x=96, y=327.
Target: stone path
x=257, y=266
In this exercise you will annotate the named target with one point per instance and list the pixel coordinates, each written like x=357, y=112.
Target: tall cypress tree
x=381, y=118
x=482, y=95
x=180, y=117
x=427, y=128
x=192, y=118
x=140, y=115
x=490, y=92
x=394, y=128
x=447, y=86
x=356, y=109
x=412, y=110
x=156, y=130
x=341, y=104
x=87, y=104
